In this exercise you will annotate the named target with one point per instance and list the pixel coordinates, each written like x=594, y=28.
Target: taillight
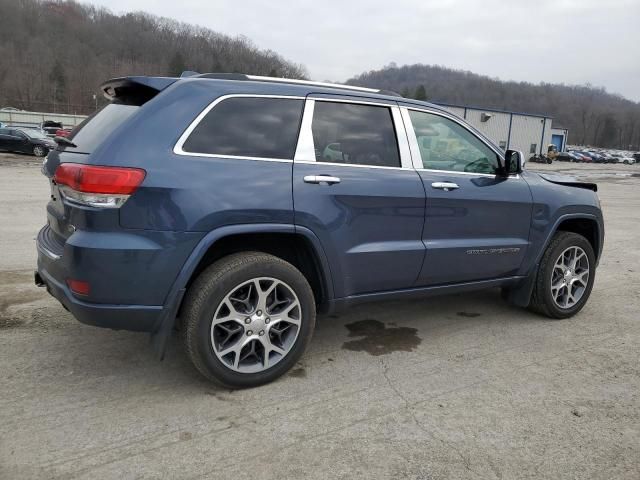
x=98, y=186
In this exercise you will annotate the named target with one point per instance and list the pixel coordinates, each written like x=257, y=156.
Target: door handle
x=446, y=186
x=321, y=179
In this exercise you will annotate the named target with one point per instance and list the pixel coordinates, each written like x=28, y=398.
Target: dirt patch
x=14, y=277
x=298, y=373
x=378, y=339
x=10, y=322
x=19, y=298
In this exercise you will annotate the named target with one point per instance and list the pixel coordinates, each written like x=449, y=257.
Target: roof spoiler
x=134, y=90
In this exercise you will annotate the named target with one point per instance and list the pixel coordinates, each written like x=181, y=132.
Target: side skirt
x=340, y=304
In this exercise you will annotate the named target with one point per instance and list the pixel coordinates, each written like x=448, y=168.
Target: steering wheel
x=482, y=165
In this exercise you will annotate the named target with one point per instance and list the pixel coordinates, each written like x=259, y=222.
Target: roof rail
x=258, y=78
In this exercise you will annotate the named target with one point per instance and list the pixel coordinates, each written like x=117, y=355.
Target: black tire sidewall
x=546, y=272
x=225, y=284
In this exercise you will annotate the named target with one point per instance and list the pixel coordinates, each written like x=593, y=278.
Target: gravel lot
x=451, y=387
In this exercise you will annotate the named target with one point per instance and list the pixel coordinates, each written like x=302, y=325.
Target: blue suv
x=209, y=203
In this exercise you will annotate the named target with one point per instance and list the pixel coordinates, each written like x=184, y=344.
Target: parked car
x=582, y=157
x=591, y=156
x=49, y=127
x=636, y=156
x=597, y=157
x=2, y=125
x=210, y=206
x=25, y=140
x=622, y=158
x=608, y=158
x=569, y=157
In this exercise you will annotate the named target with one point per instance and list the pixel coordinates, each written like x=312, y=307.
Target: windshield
x=31, y=133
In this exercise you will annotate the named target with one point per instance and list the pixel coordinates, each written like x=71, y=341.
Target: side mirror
x=513, y=162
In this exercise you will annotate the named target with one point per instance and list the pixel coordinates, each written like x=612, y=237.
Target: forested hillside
x=592, y=115
x=54, y=54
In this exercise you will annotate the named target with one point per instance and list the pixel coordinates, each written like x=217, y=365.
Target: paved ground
x=452, y=387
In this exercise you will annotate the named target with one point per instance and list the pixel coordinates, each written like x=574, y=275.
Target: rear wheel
x=247, y=319
x=565, y=276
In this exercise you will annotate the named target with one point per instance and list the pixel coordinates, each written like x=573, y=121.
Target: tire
x=213, y=292
x=542, y=299
x=39, y=151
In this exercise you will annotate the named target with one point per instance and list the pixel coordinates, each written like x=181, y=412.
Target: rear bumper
x=130, y=273
x=139, y=318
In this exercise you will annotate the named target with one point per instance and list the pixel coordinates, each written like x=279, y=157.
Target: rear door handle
x=317, y=179
x=446, y=186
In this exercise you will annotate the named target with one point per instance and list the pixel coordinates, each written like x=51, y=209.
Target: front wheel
x=565, y=276
x=248, y=319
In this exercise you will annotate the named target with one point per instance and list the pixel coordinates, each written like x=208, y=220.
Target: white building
x=529, y=133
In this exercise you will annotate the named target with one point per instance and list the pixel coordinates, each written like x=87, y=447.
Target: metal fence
x=29, y=119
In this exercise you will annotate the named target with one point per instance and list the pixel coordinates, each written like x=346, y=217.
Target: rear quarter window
x=248, y=127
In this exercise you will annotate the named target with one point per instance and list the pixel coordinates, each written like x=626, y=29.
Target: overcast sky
x=570, y=41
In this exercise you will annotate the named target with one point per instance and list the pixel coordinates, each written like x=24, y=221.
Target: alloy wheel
x=256, y=325
x=569, y=277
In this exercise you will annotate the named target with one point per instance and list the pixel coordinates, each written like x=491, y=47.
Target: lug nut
x=261, y=332
x=247, y=320
x=249, y=333
x=259, y=312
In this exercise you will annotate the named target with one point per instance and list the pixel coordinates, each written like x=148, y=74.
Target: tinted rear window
x=248, y=127
x=95, y=128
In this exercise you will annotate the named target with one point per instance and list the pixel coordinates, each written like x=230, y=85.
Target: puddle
x=380, y=340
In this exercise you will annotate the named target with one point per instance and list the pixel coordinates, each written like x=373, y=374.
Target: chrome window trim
x=178, y=147
x=415, y=149
x=305, y=150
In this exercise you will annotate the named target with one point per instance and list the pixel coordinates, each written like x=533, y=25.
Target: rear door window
x=355, y=134
x=248, y=127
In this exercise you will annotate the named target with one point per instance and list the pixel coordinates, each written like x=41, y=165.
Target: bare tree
x=55, y=54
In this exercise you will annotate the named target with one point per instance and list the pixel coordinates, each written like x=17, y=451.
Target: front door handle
x=328, y=179
x=446, y=186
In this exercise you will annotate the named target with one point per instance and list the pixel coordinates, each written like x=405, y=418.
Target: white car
x=623, y=158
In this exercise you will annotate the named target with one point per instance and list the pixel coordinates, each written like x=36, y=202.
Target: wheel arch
x=297, y=245
x=587, y=225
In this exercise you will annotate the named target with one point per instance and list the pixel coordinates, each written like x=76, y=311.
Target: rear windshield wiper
x=64, y=141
